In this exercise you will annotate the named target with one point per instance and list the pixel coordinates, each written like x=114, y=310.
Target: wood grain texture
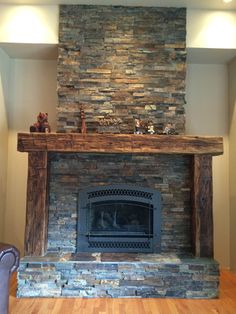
x=202, y=213
x=119, y=143
x=226, y=304
x=36, y=207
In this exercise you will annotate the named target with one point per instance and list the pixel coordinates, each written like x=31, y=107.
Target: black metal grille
x=124, y=192
x=119, y=245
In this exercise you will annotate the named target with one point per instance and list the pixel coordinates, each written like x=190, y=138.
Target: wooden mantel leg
x=36, y=207
x=202, y=215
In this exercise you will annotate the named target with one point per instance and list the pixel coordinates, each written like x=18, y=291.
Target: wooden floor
x=226, y=304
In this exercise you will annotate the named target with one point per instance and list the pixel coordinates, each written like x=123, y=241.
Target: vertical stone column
x=202, y=216
x=37, y=204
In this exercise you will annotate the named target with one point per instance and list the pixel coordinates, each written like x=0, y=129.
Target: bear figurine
x=42, y=124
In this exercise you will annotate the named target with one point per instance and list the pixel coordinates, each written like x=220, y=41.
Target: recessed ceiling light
x=227, y=1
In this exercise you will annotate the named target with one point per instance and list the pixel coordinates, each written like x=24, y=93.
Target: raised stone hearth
x=117, y=275
x=179, y=167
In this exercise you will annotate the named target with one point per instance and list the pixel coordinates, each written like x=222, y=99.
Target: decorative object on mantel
x=83, y=122
x=109, y=124
x=42, y=124
x=169, y=129
x=150, y=127
x=138, y=126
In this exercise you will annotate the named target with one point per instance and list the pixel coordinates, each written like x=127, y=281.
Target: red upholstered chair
x=9, y=262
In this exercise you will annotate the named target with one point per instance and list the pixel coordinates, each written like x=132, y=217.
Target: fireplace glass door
x=119, y=219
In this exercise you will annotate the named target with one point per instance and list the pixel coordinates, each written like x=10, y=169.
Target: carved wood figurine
x=83, y=122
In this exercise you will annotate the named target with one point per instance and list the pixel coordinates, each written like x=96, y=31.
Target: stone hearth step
x=118, y=275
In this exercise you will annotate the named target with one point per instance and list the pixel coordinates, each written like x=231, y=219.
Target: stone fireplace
x=119, y=215
x=62, y=167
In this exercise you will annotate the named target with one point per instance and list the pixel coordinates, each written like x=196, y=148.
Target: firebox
x=119, y=218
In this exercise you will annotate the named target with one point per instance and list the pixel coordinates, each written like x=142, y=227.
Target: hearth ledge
x=133, y=276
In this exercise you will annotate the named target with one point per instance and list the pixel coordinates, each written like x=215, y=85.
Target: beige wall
x=33, y=89
x=232, y=160
x=4, y=63
x=207, y=114
x=33, y=86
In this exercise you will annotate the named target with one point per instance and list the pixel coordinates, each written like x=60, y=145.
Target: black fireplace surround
x=119, y=218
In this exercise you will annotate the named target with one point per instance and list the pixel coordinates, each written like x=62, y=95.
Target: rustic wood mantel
x=38, y=145
x=119, y=143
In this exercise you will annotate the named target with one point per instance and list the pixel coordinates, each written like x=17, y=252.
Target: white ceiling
x=196, y=4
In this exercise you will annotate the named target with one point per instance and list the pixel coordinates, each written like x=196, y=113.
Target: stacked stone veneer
x=125, y=62
x=169, y=174
x=117, y=275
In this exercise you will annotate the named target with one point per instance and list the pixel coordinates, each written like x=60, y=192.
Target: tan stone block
x=97, y=70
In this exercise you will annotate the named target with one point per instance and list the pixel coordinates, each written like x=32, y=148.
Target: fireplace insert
x=119, y=218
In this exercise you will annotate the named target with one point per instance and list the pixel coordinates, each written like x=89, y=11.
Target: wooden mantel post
x=202, y=215
x=37, y=203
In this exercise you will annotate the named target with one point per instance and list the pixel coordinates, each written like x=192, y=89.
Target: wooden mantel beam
x=120, y=143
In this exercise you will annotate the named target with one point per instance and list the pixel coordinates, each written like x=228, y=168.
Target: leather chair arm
x=9, y=262
x=9, y=257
